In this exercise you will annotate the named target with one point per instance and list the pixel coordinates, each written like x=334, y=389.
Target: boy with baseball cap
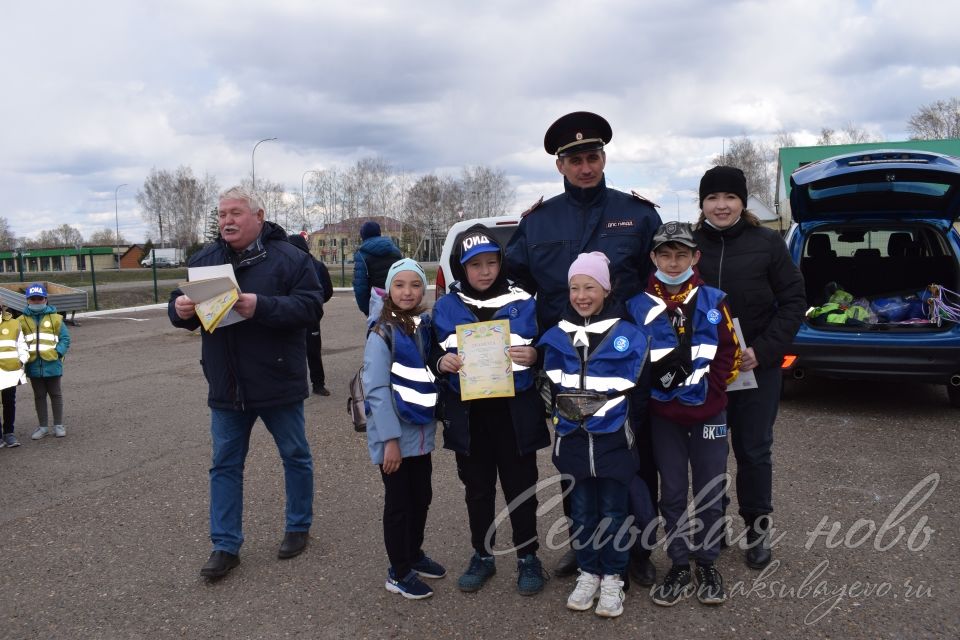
x=694, y=354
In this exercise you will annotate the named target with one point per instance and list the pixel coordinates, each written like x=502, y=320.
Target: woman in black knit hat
x=765, y=291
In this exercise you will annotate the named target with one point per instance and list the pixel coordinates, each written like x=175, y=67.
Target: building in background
x=59, y=259
x=338, y=241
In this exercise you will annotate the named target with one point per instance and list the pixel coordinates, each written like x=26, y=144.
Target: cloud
x=103, y=92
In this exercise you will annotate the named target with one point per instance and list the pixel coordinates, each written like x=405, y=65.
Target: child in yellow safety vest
x=13, y=354
x=47, y=341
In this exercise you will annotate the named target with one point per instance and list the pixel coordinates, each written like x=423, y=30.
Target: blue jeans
x=600, y=551
x=231, y=441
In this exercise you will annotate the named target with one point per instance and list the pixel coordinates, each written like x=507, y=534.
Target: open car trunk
x=882, y=268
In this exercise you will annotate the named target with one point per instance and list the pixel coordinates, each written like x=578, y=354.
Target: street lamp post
x=303, y=198
x=253, y=162
x=116, y=214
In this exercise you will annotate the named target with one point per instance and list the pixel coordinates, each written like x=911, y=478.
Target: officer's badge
x=579, y=136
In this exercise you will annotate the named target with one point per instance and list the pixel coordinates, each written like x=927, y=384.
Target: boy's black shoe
x=219, y=564
x=642, y=571
x=758, y=553
x=710, y=585
x=567, y=566
x=320, y=390
x=675, y=587
x=294, y=542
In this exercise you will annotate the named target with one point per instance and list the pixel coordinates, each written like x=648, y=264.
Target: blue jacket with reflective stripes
x=526, y=407
x=517, y=306
x=602, y=446
x=401, y=402
x=648, y=311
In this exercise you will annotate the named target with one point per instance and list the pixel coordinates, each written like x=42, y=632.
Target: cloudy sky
x=96, y=93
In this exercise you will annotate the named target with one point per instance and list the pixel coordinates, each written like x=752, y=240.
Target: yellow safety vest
x=9, y=352
x=42, y=341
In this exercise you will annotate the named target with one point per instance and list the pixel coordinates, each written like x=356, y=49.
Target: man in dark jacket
x=587, y=216
x=255, y=367
x=371, y=263
x=314, y=340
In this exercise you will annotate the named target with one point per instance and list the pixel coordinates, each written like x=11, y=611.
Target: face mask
x=37, y=307
x=680, y=279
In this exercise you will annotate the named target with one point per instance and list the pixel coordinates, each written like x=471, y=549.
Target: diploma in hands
x=487, y=370
x=214, y=290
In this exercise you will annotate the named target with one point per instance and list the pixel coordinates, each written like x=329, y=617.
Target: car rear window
x=933, y=189
x=884, y=242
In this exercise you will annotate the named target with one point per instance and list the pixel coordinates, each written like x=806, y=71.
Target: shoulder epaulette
x=642, y=199
x=532, y=207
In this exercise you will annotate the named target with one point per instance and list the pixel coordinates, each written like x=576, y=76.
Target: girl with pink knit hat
x=594, y=358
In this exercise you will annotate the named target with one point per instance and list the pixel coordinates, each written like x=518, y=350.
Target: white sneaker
x=59, y=430
x=611, y=597
x=41, y=432
x=588, y=585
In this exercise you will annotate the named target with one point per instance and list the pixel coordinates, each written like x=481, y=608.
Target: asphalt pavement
x=102, y=533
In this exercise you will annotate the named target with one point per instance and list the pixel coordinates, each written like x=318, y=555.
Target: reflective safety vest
x=650, y=311
x=516, y=305
x=42, y=340
x=412, y=383
x=613, y=366
x=13, y=352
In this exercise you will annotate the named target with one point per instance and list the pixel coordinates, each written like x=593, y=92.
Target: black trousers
x=8, y=397
x=314, y=360
x=493, y=452
x=406, y=500
x=750, y=415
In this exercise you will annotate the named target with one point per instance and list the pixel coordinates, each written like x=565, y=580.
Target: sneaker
x=59, y=430
x=675, y=587
x=710, y=585
x=611, y=600
x=531, y=575
x=428, y=568
x=10, y=441
x=411, y=587
x=480, y=570
x=41, y=432
x=586, y=591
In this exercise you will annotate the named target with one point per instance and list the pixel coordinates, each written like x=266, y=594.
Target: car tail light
x=788, y=361
x=441, y=286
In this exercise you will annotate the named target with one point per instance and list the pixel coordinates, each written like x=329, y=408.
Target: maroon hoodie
x=722, y=367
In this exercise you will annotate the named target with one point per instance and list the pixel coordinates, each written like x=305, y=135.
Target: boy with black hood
x=494, y=436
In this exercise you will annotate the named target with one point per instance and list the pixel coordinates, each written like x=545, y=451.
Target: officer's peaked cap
x=577, y=132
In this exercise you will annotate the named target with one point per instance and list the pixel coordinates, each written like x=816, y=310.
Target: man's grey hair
x=247, y=195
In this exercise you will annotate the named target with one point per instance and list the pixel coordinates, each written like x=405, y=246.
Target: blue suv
x=871, y=232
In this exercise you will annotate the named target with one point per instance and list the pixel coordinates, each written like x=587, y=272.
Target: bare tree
x=154, y=199
x=756, y=160
x=106, y=237
x=175, y=204
x=486, y=192
x=848, y=134
x=432, y=204
x=8, y=241
x=280, y=206
x=62, y=236
x=938, y=120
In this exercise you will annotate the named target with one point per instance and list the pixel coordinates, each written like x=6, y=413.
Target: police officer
x=587, y=216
